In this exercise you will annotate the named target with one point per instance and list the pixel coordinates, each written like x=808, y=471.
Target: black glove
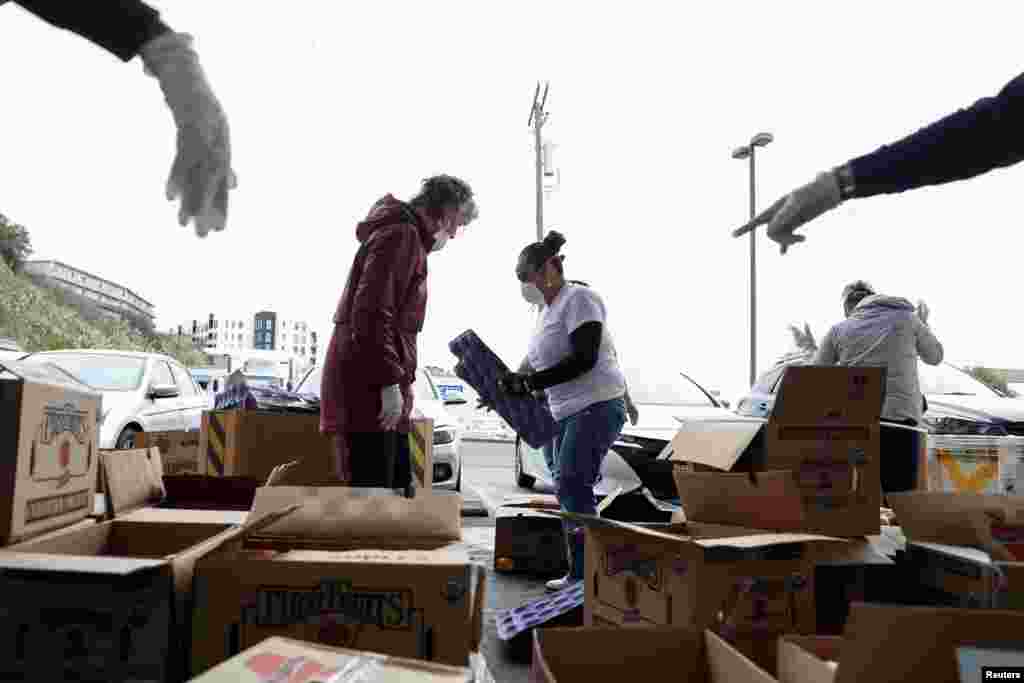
x=481, y=403
x=515, y=384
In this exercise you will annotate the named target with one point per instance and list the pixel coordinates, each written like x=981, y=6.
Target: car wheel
x=523, y=480
x=127, y=438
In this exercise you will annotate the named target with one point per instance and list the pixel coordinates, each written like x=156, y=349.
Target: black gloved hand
x=515, y=384
x=481, y=403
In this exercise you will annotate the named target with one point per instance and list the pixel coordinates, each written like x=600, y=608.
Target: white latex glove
x=923, y=311
x=390, y=407
x=201, y=174
x=796, y=208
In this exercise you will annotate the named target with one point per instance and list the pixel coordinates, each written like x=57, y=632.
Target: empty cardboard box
x=885, y=644
x=818, y=471
x=108, y=602
x=48, y=424
x=588, y=655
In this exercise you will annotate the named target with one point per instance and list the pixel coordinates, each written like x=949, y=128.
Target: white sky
x=335, y=105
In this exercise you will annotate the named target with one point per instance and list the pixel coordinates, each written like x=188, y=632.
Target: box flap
x=704, y=535
x=765, y=500
x=808, y=659
x=47, y=373
x=84, y=564
x=717, y=443
x=893, y=644
x=151, y=514
x=727, y=665
x=134, y=479
x=829, y=395
x=962, y=519
x=342, y=513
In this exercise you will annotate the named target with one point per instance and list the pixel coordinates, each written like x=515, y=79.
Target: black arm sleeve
x=964, y=144
x=121, y=27
x=586, y=342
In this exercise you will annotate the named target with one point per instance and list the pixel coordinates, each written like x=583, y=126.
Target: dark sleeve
x=586, y=342
x=121, y=27
x=962, y=145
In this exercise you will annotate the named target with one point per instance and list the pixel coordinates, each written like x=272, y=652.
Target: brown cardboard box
x=819, y=470
x=251, y=443
x=950, y=541
x=739, y=582
x=286, y=659
x=77, y=526
x=888, y=644
x=421, y=448
x=354, y=568
x=107, y=602
x=48, y=454
x=178, y=450
x=680, y=655
x=136, y=491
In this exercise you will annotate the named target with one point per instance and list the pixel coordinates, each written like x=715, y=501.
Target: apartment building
x=114, y=299
x=262, y=331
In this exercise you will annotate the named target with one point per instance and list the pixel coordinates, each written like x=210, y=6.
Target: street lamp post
x=747, y=152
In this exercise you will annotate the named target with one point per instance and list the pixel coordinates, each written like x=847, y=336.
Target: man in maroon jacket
x=366, y=391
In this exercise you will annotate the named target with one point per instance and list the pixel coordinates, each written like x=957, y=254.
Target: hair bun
x=554, y=240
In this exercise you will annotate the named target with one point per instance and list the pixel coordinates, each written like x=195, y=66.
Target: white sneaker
x=558, y=584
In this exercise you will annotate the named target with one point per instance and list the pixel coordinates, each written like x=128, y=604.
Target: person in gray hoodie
x=887, y=331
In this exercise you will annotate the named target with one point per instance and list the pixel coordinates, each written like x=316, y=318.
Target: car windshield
x=664, y=387
x=102, y=372
x=946, y=380
x=262, y=381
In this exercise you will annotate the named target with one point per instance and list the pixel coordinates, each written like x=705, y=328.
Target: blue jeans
x=583, y=441
x=551, y=458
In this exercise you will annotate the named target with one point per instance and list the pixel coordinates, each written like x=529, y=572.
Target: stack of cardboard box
x=147, y=591
x=740, y=581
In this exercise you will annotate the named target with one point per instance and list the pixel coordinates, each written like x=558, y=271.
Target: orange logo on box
x=973, y=481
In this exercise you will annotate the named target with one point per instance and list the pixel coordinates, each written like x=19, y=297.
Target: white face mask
x=531, y=293
x=440, y=239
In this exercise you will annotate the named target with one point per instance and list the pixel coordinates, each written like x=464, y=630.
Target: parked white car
x=426, y=399
x=9, y=349
x=142, y=392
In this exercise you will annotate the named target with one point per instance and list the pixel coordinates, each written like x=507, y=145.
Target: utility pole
x=538, y=117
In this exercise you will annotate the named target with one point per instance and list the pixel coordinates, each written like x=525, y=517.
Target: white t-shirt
x=550, y=345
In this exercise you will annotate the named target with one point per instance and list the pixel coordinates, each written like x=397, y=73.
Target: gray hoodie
x=885, y=330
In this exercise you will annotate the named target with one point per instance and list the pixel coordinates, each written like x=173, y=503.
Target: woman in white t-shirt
x=573, y=362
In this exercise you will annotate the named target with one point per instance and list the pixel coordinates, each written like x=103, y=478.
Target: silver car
x=427, y=399
x=142, y=392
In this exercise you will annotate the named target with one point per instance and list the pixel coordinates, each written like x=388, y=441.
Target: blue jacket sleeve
x=967, y=143
x=121, y=27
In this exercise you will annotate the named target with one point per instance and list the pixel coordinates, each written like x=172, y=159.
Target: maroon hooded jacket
x=380, y=313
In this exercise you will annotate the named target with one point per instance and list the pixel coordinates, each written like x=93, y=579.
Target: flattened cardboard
x=281, y=659
x=179, y=451
x=121, y=590
x=892, y=644
x=824, y=430
x=134, y=479
x=184, y=516
x=48, y=468
x=343, y=516
x=587, y=655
